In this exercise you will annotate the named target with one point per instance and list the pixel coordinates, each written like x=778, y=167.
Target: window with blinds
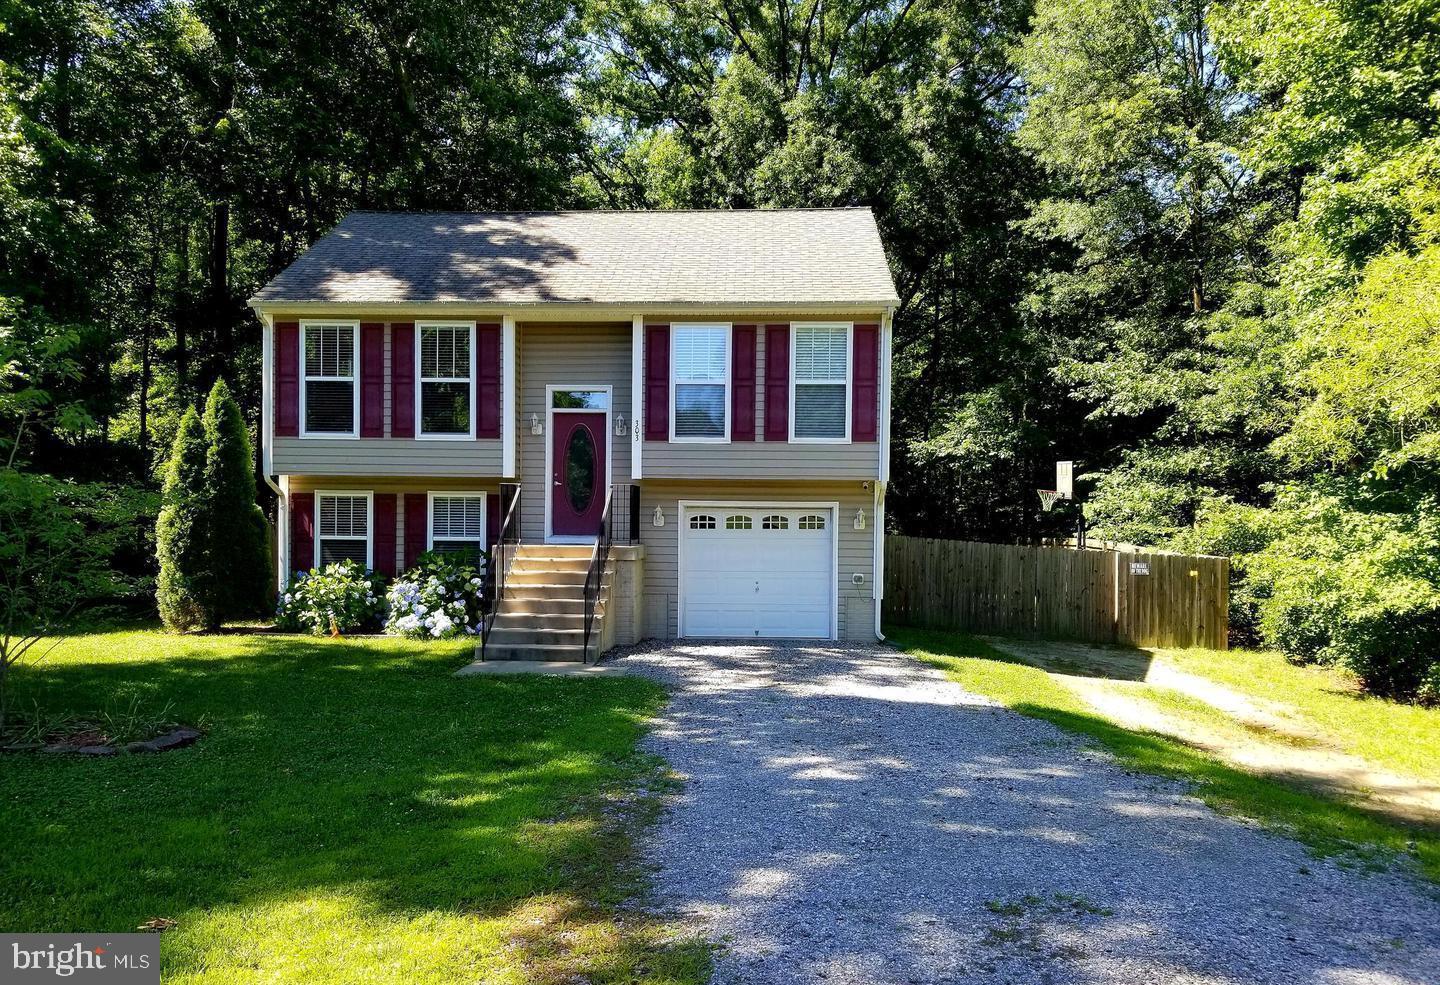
x=700, y=371
x=330, y=390
x=457, y=524
x=821, y=361
x=447, y=382
x=342, y=529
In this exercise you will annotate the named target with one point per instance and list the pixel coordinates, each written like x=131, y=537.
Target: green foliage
x=49, y=566
x=440, y=598
x=339, y=598
x=238, y=579
x=181, y=533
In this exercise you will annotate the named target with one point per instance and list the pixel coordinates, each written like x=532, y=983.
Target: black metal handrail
x=506, y=538
x=595, y=574
x=619, y=524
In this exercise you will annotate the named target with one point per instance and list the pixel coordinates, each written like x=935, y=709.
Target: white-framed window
x=457, y=523
x=702, y=521
x=820, y=382
x=700, y=383
x=738, y=521
x=445, y=394
x=329, y=389
x=775, y=521
x=343, y=528
x=812, y=521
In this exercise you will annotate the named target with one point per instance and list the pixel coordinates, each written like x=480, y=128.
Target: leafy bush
x=440, y=598
x=342, y=597
x=1344, y=580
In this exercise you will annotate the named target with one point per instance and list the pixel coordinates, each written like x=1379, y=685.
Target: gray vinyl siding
x=856, y=615
x=760, y=459
x=387, y=455
x=566, y=355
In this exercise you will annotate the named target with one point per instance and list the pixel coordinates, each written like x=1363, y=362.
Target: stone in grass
x=96, y=750
x=170, y=740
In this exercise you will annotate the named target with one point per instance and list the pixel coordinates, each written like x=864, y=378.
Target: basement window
x=343, y=528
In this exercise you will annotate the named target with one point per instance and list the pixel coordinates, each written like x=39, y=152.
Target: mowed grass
x=1327, y=826
x=354, y=814
x=1398, y=737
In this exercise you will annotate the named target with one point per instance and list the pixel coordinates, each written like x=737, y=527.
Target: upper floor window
x=343, y=530
x=700, y=382
x=457, y=524
x=446, y=391
x=329, y=392
x=821, y=382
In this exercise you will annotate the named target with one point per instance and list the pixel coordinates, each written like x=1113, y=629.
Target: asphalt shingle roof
x=781, y=256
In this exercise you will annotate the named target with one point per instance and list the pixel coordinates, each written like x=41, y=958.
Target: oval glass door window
x=580, y=469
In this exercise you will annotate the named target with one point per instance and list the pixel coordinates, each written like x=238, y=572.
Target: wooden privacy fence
x=1146, y=598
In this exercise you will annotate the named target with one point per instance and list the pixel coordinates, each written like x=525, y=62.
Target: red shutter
x=302, y=531
x=742, y=383
x=372, y=380
x=417, y=514
x=487, y=381
x=287, y=379
x=383, y=539
x=402, y=380
x=865, y=384
x=777, y=382
x=657, y=383
x=492, y=519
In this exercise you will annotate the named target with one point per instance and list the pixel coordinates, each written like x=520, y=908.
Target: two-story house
x=718, y=381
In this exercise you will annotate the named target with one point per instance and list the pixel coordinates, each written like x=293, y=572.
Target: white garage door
x=757, y=571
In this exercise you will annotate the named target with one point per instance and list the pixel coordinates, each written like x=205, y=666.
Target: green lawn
x=1329, y=827
x=354, y=814
x=1399, y=737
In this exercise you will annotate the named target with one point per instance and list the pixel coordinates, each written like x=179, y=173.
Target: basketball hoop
x=1049, y=497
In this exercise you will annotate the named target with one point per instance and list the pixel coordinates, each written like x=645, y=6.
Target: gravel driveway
x=852, y=817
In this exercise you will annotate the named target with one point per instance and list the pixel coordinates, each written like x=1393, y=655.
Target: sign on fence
x=1146, y=598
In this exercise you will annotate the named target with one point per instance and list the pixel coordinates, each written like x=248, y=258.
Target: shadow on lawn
x=356, y=771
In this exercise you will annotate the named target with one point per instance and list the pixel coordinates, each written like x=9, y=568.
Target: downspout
x=883, y=481
x=267, y=450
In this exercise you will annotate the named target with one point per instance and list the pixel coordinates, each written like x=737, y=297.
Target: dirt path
x=1267, y=737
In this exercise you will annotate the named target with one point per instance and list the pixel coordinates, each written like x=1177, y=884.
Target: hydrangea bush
x=342, y=597
x=440, y=598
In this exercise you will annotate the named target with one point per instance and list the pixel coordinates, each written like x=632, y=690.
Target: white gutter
x=637, y=393
x=267, y=449
x=879, y=569
x=507, y=396
x=886, y=346
x=570, y=310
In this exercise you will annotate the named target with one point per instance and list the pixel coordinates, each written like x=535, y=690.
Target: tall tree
x=180, y=535
x=238, y=542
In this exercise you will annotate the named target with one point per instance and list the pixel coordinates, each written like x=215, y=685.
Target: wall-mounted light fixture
x=859, y=519
x=535, y=426
x=619, y=425
x=658, y=518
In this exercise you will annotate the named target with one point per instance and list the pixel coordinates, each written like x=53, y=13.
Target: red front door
x=577, y=476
